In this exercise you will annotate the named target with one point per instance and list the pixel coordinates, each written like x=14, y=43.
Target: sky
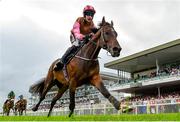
x=34, y=33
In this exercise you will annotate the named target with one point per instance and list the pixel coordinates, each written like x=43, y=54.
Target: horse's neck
x=90, y=50
x=10, y=101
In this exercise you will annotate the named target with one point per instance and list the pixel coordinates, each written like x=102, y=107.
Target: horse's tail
x=38, y=87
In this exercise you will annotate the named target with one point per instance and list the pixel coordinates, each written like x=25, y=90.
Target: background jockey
x=20, y=97
x=82, y=30
x=11, y=96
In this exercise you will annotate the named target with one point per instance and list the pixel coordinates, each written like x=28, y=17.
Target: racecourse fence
x=169, y=106
x=146, y=107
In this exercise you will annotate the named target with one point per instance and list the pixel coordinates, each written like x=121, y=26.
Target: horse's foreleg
x=47, y=87
x=97, y=82
x=21, y=112
x=8, y=111
x=15, y=111
x=25, y=112
x=72, y=99
x=61, y=91
x=3, y=112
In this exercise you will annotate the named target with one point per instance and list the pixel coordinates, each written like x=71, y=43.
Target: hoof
x=70, y=114
x=127, y=110
x=34, y=108
x=49, y=114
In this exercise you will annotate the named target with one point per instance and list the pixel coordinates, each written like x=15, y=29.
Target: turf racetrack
x=124, y=117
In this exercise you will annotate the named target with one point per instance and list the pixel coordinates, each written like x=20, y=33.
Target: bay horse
x=20, y=106
x=82, y=69
x=7, y=106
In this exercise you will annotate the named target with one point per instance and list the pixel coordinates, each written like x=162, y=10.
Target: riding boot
x=66, y=57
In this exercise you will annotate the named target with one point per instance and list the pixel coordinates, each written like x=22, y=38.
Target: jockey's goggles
x=89, y=13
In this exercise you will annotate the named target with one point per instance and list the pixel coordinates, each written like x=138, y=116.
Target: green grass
x=124, y=117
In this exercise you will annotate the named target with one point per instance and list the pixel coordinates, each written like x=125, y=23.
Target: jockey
x=80, y=33
x=11, y=96
x=20, y=97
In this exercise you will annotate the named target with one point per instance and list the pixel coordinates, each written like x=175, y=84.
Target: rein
x=96, y=44
x=86, y=59
x=102, y=36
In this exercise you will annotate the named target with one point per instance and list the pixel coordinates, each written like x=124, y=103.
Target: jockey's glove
x=94, y=30
x=87, y=38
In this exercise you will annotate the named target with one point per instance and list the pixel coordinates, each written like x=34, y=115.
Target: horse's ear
x=103, y=20
x=112, y=23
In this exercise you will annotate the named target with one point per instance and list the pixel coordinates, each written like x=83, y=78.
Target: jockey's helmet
x=89, y=10
x=11, y=95
x=21, y=97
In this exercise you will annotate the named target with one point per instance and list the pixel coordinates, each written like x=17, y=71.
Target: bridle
x=97, y=45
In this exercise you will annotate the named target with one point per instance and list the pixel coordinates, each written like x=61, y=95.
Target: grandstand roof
x=146, y=59
x=109, y=76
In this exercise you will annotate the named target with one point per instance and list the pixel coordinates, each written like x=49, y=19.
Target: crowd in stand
x=173, y=97
x=171, y=69
x=166, y=70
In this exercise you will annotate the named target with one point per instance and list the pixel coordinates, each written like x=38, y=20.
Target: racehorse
x=8, y=105
x=82, y=69
x=20, y=106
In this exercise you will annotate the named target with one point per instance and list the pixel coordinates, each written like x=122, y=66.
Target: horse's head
x=108, y=38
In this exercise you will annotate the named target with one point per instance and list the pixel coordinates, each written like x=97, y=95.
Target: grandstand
x=155, y=78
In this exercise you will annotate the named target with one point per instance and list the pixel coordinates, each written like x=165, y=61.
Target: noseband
x=101, y=38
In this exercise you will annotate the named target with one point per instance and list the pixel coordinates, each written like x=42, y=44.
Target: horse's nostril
x=104, y=46
x=116, y=49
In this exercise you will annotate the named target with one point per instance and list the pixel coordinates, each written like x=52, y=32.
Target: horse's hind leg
x=97, y=82
x=61, y=91
x=72, y=100
x=47, y=87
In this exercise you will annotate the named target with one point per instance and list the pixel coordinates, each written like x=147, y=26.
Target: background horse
x=82, y=69
x=20, y=106
x=8, y=105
